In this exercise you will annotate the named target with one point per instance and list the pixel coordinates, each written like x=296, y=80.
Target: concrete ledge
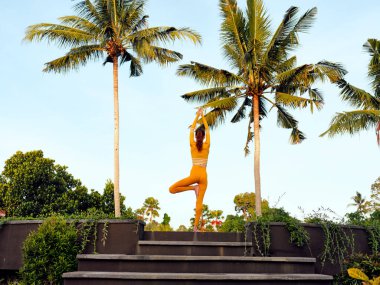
x=193, y=258
x=193, y=276
x=194, y=243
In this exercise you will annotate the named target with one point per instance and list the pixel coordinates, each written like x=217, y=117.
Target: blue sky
x=70, y=117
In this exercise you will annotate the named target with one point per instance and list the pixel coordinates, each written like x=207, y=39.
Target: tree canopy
x=32, y=185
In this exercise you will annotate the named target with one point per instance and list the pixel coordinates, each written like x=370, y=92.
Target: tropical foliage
x=117, y=32
x=245, y=204
x=367, y=210
x=49, y=252
x=149, y=210
x=360, y=275
x=32, y=185
x=367, y=113
x=264, y=74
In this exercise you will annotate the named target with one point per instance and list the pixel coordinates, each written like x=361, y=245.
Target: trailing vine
x=338, y=243
x=84, y=230
x=261, y=237
x=104, y=233
x=95, y=235
x=298, y=235
x=374, y=237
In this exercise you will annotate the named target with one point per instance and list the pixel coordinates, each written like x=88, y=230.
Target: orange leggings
x=198, y=175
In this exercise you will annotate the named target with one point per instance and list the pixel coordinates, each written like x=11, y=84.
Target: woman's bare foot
x=196, y=190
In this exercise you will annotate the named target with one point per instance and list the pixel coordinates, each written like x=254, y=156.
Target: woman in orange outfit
x=197, y=180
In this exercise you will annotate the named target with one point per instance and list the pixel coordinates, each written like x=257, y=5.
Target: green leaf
x=208, y=75
x=204, y=95
x=297, y=102
x=75, y=58
x=296, y=137
x=357, y=97
x=228, y=103
x=353, y=122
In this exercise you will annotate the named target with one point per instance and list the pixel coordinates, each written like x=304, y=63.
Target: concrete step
x=134, y=278
x=194, y=264
x=194, y=248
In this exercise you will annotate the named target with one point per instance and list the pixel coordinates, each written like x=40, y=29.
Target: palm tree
x=360, y=203
x=117, y=31
x=263, y=67
x=151, y=208
x=367, y=114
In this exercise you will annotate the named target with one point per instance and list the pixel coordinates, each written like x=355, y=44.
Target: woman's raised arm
x=192, y=129
x=207, y=129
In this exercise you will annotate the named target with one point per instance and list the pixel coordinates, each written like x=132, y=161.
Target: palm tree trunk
x=116, y=135
x=256, y=128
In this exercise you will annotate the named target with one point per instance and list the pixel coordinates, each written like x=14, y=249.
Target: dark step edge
x=194, y=258
x=194, y=243
x=192, y=276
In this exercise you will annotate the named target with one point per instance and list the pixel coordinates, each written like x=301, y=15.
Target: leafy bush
x=369, y=264
x=49, y=252
x=233, y=224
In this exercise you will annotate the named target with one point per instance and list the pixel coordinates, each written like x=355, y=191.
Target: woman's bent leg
x=183, y=185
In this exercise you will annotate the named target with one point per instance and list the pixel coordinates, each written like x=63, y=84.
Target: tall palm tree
x=367, y=114
x=360, y=203
x=117, y=31
x=151, y=208
x=262, y=67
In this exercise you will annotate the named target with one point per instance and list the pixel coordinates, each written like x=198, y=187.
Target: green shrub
x=49, y=252
x=233, y=224
x=369, y=264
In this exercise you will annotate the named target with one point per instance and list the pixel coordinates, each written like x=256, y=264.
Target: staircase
x=193, y=258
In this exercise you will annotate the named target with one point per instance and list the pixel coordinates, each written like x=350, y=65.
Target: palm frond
x=372, y=46
x=233, y=57
x=303, y=25
x=136, y=67
x=226, y=103
x=233, y=25
x=157, y=35
x=258, y=27
x=295, y=76
x=80, y=23
x=250, y=134
x=352, y=122
x=142, y=23
x=357, y=97
x=330, y=70
x=296, y=136
x=240, y=114
x=205, y=95
x=301, y=78
x=216, y=117
x=297, y=102
x=284, y=119
x=286, y=65
x=275, y=51
x=75, y=58
x=315, y=94
x=63, y=36
x=125, y=57
x=208, y=75
x=132, y=16
x=160, y=55
x=88, y=11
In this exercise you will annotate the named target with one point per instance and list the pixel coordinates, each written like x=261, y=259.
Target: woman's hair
x=199, y=136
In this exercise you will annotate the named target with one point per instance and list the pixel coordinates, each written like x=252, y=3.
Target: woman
x=197, y=180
